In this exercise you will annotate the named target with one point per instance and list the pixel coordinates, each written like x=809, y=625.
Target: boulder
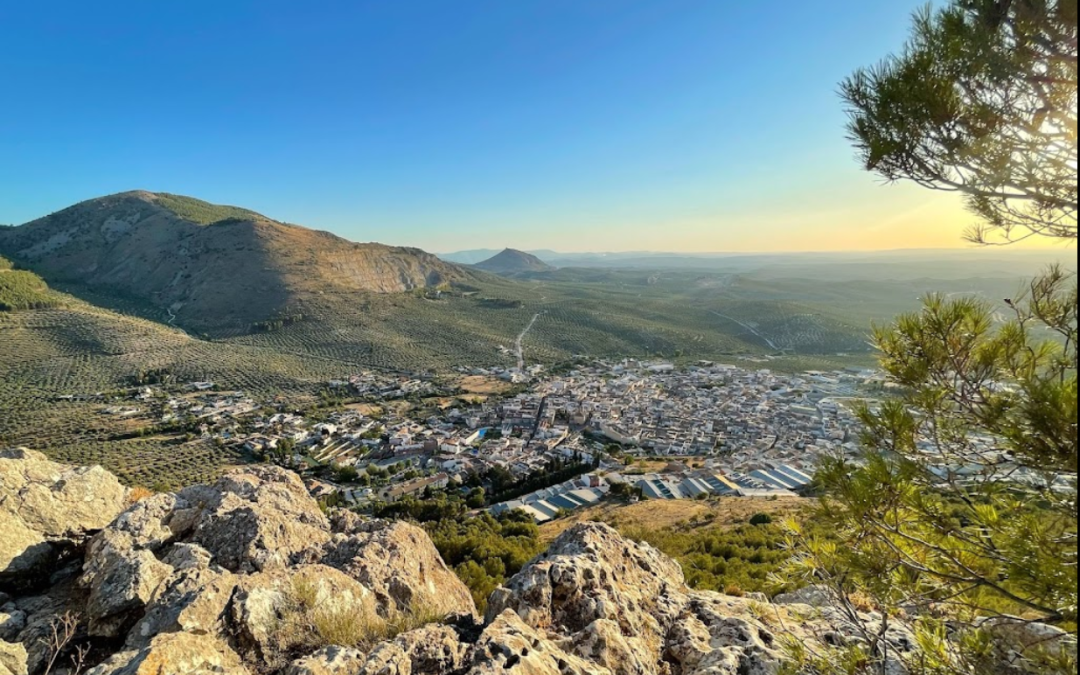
x=273, y=613
x=716, y=636
x=121, y=579
x=512, y=647
x=400, y=565
x=257, y=518
x=175, y=654
x=1021, y=645
x=157, y=521
x=433, y=649
x=329, y=661
x=590, y=575
x=42, y=611
x=193, y=600
x=47, y=510
x=12, y=659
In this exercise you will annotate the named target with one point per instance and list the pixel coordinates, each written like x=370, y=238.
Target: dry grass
x=677, y=514
x=315, y=624
x=139, y=493
x=480, y=384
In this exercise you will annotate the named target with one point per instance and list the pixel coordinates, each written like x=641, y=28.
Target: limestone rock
x=192, y=600
x=258, y=518
x=812, y=596
x=12, y=622
x=175, y=654
x=121, y=579
x=512, y=647
x=399, y=563
x=329, y=661
x=156, y=521
x=43, y=610
x=436, y=650
x=188, y=557
x=592, y=574
x=12, y=659
x=46, y=511
x=268, y=605
x=716, y=636
x=1021, y=644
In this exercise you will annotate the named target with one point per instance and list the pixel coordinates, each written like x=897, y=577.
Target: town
x=562, y=441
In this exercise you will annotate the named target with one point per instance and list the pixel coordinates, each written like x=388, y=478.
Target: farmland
x=60, y=360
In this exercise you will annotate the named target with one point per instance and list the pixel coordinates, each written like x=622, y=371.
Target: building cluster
x=749, y=432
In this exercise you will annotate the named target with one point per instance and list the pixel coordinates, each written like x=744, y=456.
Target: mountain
x=470, y=257
x=211, y=267
x=511, y=262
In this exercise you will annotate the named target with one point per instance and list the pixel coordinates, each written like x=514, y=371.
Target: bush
x=761, y=519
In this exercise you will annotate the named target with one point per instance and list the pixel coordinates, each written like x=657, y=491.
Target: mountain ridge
x=210, y=267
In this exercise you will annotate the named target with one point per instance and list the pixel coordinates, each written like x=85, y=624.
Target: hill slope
x=213, y=268
x=511, y=262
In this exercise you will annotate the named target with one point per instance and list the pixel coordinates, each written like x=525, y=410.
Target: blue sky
x=566, y=124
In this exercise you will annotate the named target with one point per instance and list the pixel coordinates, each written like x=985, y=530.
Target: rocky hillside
x=209, y=267
x=511, y=262
x=249, y=576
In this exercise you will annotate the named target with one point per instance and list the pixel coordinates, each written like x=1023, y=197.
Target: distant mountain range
x=895, y=265
x=209, y=266
x=511, y=262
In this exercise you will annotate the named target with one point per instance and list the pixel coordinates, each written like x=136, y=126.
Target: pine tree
x=961, y=517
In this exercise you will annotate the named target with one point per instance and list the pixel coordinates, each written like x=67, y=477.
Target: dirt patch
x=482, y=384
x=366, y=409
x=669, y=514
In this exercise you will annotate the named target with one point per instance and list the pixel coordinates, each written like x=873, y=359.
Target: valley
x=97, y=296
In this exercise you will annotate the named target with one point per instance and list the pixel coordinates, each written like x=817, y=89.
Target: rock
x=12, y=659
x=400, y=565
x=188, y=557
x=157, y=521
x=329, y=661
x=812, y=596
x=12, y=622
x=272, y=611
x=592, y=574
x=436, y=650
x=512, y=647
x=257, y=518
x=121, y=579
x=43, y=611
x=46, y=512
x=194, y=600
x=1020, y=644
x=175, y=654
x=716, y=636
x=603, y=643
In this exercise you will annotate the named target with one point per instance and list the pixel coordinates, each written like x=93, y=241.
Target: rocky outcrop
x=248, y=577
x=389, y=558
x=12, y=659
x=47, y=510
x=176, y=654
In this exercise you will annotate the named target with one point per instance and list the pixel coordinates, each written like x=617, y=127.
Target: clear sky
x=677, y=125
